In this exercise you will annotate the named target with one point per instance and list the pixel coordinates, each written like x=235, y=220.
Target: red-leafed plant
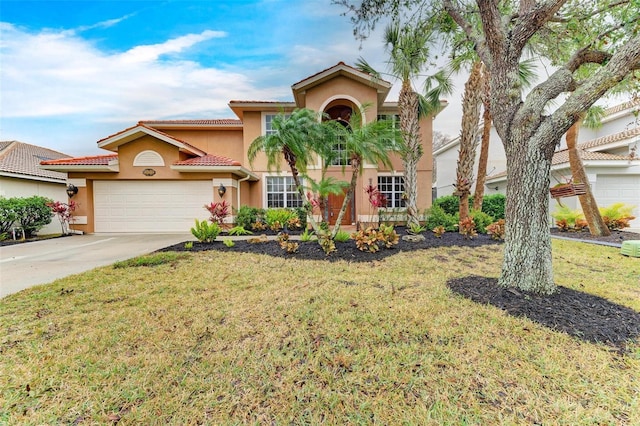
x=376, y=198
x=64, y=213
x=219, y=211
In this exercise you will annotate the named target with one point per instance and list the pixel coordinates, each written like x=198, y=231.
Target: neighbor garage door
x=150, y=206
x=611, y=189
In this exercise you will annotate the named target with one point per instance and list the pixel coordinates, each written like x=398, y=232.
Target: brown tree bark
x=587, y=201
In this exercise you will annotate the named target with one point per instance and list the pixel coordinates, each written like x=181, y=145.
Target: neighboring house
x=610, y=154
x=159, y=174
x=21, y=176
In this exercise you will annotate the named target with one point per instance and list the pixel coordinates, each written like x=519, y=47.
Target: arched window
x=148, y=158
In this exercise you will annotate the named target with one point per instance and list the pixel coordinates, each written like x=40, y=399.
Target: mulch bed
x=581, y=315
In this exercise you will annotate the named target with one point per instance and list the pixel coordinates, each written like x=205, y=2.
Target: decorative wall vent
x=148, y=159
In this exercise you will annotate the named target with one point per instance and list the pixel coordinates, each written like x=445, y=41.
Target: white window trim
x=264, y=185
x=392, y=174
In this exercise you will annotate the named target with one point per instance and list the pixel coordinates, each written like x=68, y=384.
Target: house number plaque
x=148, y=172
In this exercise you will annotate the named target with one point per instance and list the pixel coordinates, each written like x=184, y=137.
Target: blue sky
x=74, y=72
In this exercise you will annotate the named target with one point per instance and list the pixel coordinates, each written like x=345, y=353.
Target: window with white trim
x=340, y=155
x=282, y=192
x=268, y=126
x=393, y=189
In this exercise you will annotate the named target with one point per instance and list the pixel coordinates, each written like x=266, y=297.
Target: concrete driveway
x=41, y=262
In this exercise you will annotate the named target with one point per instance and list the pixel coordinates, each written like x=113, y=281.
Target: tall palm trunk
x=410, y=128
x=471, y=102
x=291, y=158
x=484, y=145
x=355, y=168
x=587, y=201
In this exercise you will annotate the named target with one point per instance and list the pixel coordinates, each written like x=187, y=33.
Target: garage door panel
x=152, y=206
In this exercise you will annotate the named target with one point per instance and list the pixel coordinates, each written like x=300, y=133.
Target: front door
x=334, y=204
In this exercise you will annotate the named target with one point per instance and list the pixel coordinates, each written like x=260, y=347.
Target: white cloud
x=149, y=53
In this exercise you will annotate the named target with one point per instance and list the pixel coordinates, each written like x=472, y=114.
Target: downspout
x=239, y=181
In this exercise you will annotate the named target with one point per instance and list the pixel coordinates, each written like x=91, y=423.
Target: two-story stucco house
x=158, y=175
x=610, y=155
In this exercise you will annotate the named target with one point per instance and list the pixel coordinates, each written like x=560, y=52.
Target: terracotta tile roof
x=615, y=137
x=561, y=157
x=96, y=160
x=258, y=102
x=208, y=122
x=23, y=159
x=333, y=66
x=208, y=160
x=622, y=107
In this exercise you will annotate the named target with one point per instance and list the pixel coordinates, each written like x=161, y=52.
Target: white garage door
x=611, y=189
x=150, y=206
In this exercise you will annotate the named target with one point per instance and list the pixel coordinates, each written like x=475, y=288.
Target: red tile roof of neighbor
x=95, y=160
x=214, y=122
x=615, y=137
x=141, y=124
x=23, y=159
x=208, y=160
x=622, y=106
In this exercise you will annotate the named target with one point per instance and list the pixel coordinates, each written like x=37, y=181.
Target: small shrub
x=497, y=230
x=307, y=236
x=276, y=219
x=259, y=226
x=286, y=245
x=468, y=227
x=416, y=229
x=617, y=216
x=64, y=213
x=206, y=232
x=228, y=242
x=327, y=244
x=219, y=211
x=371, y=239
x=566, y=218
x=493, y=205
x=439, y=231
x=32, y=213
x=239, y=230
x=188, y=245
x=482, y=220
x=436, y=216
x=8, y=214
x=342, y=236
x=450, y=204
x=247, y=216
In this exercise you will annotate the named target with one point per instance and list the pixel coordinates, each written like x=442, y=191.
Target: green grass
x=228, y=338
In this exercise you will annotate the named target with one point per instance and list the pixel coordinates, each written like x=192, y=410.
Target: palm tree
x=408, y=49
x=371, y=142
x=292, y=138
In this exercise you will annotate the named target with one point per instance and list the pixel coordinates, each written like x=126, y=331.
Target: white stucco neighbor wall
x=15, y=187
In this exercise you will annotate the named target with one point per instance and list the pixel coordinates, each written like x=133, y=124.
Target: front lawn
x=221, y=337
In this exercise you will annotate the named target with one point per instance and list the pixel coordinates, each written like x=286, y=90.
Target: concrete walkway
x=40, y=262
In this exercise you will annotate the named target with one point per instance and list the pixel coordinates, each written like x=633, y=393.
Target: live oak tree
x=603, y=35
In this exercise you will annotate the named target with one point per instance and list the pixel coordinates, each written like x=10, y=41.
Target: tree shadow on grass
x=582, y=315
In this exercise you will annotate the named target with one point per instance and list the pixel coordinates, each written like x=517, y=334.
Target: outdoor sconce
x=221, y=190
x=72, y=190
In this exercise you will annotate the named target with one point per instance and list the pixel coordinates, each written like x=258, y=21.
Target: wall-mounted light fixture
x=222, y=190
x=71, y=190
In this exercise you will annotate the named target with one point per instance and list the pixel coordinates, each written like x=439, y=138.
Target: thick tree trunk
x=587, y=201
x=527, y=249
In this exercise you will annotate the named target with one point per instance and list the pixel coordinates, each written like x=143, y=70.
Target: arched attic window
x=148, y=159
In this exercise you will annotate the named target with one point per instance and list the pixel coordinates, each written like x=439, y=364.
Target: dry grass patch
x=227, y=338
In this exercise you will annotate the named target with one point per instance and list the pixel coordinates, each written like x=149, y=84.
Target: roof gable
x=340, y=69
x=125, y=136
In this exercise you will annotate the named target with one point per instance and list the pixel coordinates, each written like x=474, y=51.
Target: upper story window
x=268, y=126
x=282, y=192
x=340, y=155
x=393, y=188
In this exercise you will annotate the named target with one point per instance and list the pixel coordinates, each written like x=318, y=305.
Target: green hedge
x=31, y=213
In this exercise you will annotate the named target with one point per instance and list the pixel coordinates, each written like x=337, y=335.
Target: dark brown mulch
x=344, y=251
x=581, y=315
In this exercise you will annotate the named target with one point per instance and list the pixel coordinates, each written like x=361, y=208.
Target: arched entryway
x=341, y=112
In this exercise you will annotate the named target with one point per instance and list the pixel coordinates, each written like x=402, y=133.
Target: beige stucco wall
x=226, y=143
